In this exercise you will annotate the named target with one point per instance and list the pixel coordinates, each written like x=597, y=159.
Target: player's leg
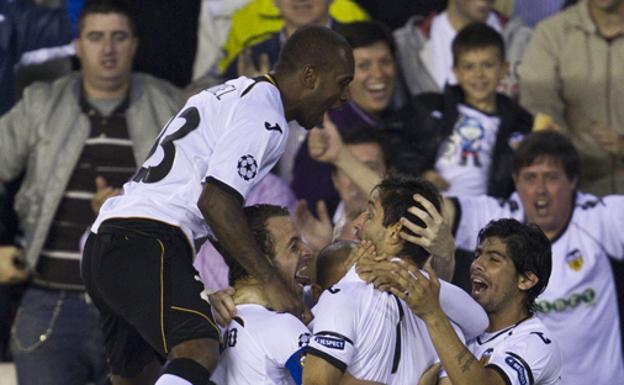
x=131, y=359
x=193, y=334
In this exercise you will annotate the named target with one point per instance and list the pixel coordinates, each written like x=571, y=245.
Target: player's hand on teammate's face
x=421, y=294
x=363, y=253
x=317, y=232
x=325, y=144
x=282, y=297
x=245, y=65
x=13, y=267
x=102, y=193
x=436, y=237
x=223, y=306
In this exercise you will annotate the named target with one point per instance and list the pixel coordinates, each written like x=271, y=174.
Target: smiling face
x=106, y=48
x=494, y=277
x=326, y=90
x=297, y=13
x=375, y=70
x=546, y=194
x=479, y=71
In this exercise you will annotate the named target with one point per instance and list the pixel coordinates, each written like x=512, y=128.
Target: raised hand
x=316, y=232
x=325, y=144
x=245, y=65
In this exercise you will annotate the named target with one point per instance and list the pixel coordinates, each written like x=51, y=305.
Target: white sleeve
x=476, y=212
x=247, y=150
x=611, y=213
x=463, y=311
x=287, y=343
x=535, y=360
x=334, y=328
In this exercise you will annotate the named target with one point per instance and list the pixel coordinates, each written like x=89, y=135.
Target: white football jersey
x=261, y=347
x=233, y=133
x=579, y=305
x=374, y=335
x=524, y=354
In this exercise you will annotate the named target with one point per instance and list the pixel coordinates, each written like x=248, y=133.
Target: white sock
x=171, y=379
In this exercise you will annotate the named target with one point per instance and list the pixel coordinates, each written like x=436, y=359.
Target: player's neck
x=504, y=318
x=288, y=95
x=249, y=291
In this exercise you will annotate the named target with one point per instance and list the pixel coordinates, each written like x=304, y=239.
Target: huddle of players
x=394, y=334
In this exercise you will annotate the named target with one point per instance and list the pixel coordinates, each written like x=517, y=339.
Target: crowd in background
x=421, y=103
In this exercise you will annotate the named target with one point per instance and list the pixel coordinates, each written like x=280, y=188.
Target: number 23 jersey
x=232, y=134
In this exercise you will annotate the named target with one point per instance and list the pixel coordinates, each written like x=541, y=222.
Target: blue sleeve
x=294, y=365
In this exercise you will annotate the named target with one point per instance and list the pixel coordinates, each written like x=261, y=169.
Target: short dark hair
x=366, y=33
x=528, y=248
x=333, y=254
x=315, y=45
x=396, y=196
x=477, y=36
x=547, y=144
x=257, y=217
x=107, y=6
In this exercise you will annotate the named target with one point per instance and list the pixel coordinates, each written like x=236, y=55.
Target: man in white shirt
x=261, y=346
x=137, y=264
x=511, y=268
x=365, y=335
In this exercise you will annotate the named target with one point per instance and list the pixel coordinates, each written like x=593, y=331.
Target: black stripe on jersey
x=501, y=372
x=480, y=342
x=333, y=361
x=523, y=362
x=256, y=81
x=334, y=334
x=238, y=320
x=397, y=346
x=225, y=187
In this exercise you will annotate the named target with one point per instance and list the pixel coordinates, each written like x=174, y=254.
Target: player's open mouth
x=479, y=285
x=301, y=275
x=541, y=206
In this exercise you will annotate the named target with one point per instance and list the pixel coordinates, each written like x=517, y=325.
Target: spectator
x=260, y=58
x=78, y=139
x=569, y=71
x=424, y=44
x=29, y=34
x=259, y=19
x=465, y=134
x=371, y=93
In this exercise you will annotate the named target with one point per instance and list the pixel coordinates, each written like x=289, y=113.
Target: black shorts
x=140, y=276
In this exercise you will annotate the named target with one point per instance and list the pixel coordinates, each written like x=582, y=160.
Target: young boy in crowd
x=467, y=133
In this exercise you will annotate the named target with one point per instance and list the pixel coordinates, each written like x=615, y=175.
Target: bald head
x=330, y=263
x=317, y=46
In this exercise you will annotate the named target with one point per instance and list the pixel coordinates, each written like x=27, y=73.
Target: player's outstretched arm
x=222, y=210
x=422, y=296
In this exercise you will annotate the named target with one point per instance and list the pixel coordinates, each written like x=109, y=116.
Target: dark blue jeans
x=56, y=339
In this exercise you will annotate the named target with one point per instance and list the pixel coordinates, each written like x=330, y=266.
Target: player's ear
x=527, y=280
x=393, y=232
x=309, y=76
